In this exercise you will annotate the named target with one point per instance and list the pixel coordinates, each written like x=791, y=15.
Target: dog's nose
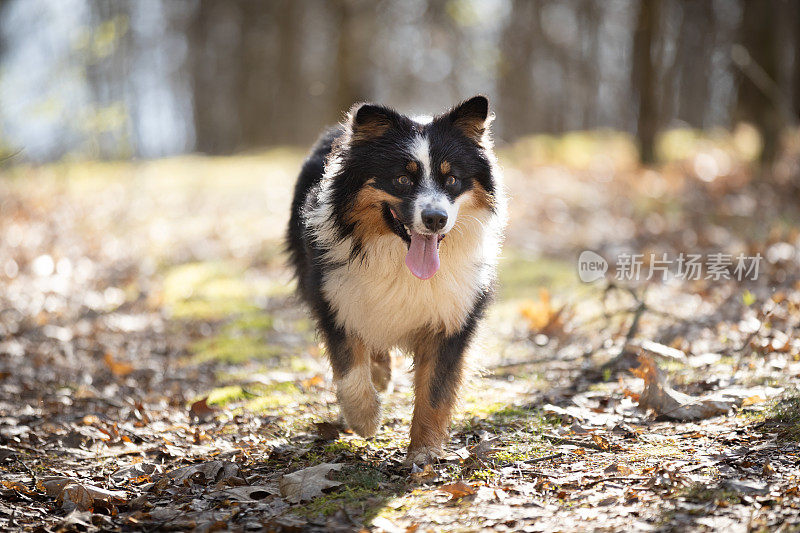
x=434, y=219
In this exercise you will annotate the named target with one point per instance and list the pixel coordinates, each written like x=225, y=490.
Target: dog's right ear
x=369, y=121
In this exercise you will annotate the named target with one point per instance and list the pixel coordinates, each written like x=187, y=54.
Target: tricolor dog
x=394, y=237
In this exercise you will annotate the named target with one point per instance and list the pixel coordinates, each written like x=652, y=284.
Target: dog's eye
x=451, y=181
x=403, y=181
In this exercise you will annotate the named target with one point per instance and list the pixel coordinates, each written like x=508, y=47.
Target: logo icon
x=591, y=266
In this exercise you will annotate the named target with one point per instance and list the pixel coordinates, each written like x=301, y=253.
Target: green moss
x=360, y=494
x=233, y=349
x=782, y=415
x=225, y=395
x=702, y=493
x=257, y=397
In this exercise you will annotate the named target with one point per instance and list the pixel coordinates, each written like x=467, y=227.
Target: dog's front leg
x=358, y=399
x=438, y=371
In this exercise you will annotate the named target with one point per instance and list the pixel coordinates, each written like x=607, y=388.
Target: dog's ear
x=472, y=117
x=369, y=121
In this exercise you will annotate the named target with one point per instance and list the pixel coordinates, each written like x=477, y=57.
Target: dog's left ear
x=369, y=121
x=472, y=117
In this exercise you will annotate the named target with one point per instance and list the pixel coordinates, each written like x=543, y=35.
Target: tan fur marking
x=366, y=212
x=479, y=198
x=369, y=131
x=412, y=166
x=445, y=167
x=357, y=396
x=472, y=128
x=429, y=425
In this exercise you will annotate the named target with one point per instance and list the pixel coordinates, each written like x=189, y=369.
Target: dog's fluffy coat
x=373, y=204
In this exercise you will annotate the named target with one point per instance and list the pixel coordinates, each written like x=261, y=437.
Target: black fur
x=450, y=359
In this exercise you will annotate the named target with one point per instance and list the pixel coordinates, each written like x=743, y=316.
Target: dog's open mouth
x=422, y=258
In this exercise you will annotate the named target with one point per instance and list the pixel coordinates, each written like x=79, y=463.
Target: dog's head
x=415, y=178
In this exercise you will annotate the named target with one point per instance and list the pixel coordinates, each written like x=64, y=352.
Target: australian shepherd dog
x=394, y=237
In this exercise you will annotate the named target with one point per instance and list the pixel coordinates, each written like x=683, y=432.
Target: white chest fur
x=379, y=299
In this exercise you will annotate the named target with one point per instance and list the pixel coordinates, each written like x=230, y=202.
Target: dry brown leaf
x=71, y=494
x=201, y=410
x=459, y=489
x=752, y=400
x=665, y=401
x=249, y=493
x=118, y=368
x=541, y=315
x=652, y=348
x=17, y=486
x=618, y=468
x=308, y=483
x=601, y=441
x=327, y=431
x=426, y=473
x=315, y=381
x=75, y=496
x=208, y=472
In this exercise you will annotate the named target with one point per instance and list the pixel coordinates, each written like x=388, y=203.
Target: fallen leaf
x=249, y=493
x=6, y=453
x=136, y=473
x=118, y=368
x=17, y=486
x=425, y=473
x=384, y=524
x=208, y=472
x=752, y=400
x=308, y=483
x=617, y=468
x=651, y=348
x=201, y=411
x=669, y=403
x=542, y=316
x=327, y=431
x=72, y=494
x=314, y=381
x=601, y=442
x=459, y=489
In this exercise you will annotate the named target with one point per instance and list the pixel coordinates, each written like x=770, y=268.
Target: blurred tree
x=355, y=22
x=515, y=77
x=644, y=74
x=214, y=59
x=758, y=98
x=695, y=46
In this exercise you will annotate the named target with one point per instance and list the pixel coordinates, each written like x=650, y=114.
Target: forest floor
x=156, y=372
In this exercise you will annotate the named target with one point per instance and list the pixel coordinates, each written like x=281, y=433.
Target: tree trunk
x=515, y=81
x=759, y=69
x=644, y=78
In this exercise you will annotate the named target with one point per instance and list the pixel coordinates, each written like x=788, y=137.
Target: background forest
x=116, y=79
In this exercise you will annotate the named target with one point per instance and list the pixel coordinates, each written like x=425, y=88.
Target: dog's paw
x=423, y=456
x=359, y=402
x=363, y=426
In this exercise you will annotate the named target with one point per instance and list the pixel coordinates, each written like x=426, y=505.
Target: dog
x=394, y=237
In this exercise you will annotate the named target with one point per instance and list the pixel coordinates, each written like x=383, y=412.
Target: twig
x=614, y=363
x=752, y=336
x=562, y=440
x=613, y=478
x=544, y=458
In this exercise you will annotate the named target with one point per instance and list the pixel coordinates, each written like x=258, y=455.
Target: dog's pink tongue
x=422, y=258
